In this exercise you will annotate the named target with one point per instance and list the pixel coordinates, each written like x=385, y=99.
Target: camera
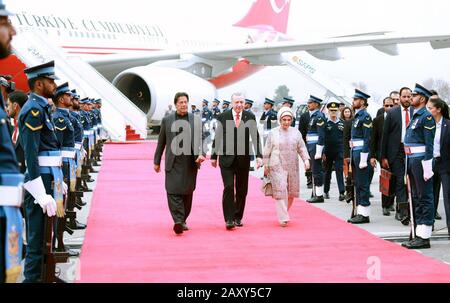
x=5, y=81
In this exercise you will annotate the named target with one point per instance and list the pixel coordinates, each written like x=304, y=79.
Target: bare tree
x=440, y=85
x=281, y=92
x=360, y=85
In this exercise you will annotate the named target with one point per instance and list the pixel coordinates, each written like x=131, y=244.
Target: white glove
x=307, y=165
x=36, y=188
x=427, y=169
x=319, y=149
x=64, y=188
x=363, y=160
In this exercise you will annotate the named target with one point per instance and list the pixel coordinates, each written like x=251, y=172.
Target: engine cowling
x=152, y=88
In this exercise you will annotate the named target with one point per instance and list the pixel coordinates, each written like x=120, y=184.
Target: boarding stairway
x=120, y=116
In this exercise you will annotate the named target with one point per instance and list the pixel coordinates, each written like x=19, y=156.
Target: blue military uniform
x=419, y=144
x=269, y=117
x=333, y=150
x=289, y=102
x=43, y=158
x=360, y=145
x=315, y=141
x=206, y=112
x=225, y=105
x=215, y=109
x=11, y=181
x=249, y=101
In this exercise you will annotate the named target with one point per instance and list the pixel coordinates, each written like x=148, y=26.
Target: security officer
x=419, y=141
x=360, y=146
x=215, y=108
x=225, y=105
x=334, y=149
x=289, y=103
x=65, y=133
x=248, y=105
x=10, y=180
x=315, y=140
x=44, y=180
x=268, y=118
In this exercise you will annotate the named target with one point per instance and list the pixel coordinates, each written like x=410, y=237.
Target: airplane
x=149, y=63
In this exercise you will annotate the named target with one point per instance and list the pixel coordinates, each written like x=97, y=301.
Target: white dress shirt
x=437, y=140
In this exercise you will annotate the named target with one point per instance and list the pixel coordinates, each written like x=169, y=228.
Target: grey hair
x=237, y=94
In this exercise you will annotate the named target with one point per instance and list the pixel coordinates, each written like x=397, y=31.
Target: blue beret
x=333, y=105
x=63, y=89
x=419, y=89
x=216, y=101
x=44, y=70
x=314, y=99
x=288, y=100
x=248, y=101
x=360, y=95
x=267, y=100
x=205, y=101
x=3, y=11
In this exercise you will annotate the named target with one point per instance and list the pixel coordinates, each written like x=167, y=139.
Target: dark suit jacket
x=166, y=136
x=303, y=124
x=392, y=132
x=443, y=166
x=375, y=141
x=240, y=149
x=20, y=156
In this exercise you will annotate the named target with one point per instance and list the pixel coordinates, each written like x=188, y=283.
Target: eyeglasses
x=389, y=105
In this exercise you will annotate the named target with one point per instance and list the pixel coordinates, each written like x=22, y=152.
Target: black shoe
x=229, y=225
x=326, y=196
x=386, y=211
x=77, y=225
x=309, y=185
x=405, y=220
x=238, y=223
x=448, y=230
x=437, y=216
x=341, y=197
x=178, y=228
x=370, y=195
x=417, y=243
x=391, y=208
x=316, y=199
x=398, y=217
x=359, y=219
x=185, y=227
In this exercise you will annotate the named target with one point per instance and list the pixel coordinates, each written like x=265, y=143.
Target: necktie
x=15, y=132
x=238, y=119
x=406, y=117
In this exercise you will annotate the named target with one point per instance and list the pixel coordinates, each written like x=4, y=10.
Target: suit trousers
x=180, y=207
x=362, y=179
x=398, y=169
x=338, y=161
x=445, y=177
x=235, y=180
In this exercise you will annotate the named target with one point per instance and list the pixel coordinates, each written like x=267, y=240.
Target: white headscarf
x=284, y=111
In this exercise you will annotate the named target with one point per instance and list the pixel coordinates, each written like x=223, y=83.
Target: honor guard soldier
x=215, y=108
x=315, y=140
x=360, y=145
x=11, y=181
x=65, y=133
x=194, y=110
x=289, y=103
x=419, y=144
x=269, y=117
x=225, y=105
x=206, y=112
x=334, y=150
x=43, y=179
x=248, y=105
x=87, y=129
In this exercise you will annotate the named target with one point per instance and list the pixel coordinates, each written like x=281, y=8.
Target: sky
x=308, y=20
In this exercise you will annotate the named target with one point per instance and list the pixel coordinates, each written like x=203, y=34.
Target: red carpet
x=130, y=238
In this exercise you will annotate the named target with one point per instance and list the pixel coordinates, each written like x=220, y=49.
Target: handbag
x=266, y=186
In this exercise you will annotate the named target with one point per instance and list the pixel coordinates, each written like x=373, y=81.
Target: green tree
x=281, y=92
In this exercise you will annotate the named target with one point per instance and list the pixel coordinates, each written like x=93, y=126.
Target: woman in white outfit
x=283, y=146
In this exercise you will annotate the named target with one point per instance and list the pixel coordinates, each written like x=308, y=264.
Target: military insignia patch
x=34, y=113
x=33, y=128
x=429, y=118
x=61, y=120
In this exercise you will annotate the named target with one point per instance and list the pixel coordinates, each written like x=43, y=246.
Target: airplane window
x=82, y=35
